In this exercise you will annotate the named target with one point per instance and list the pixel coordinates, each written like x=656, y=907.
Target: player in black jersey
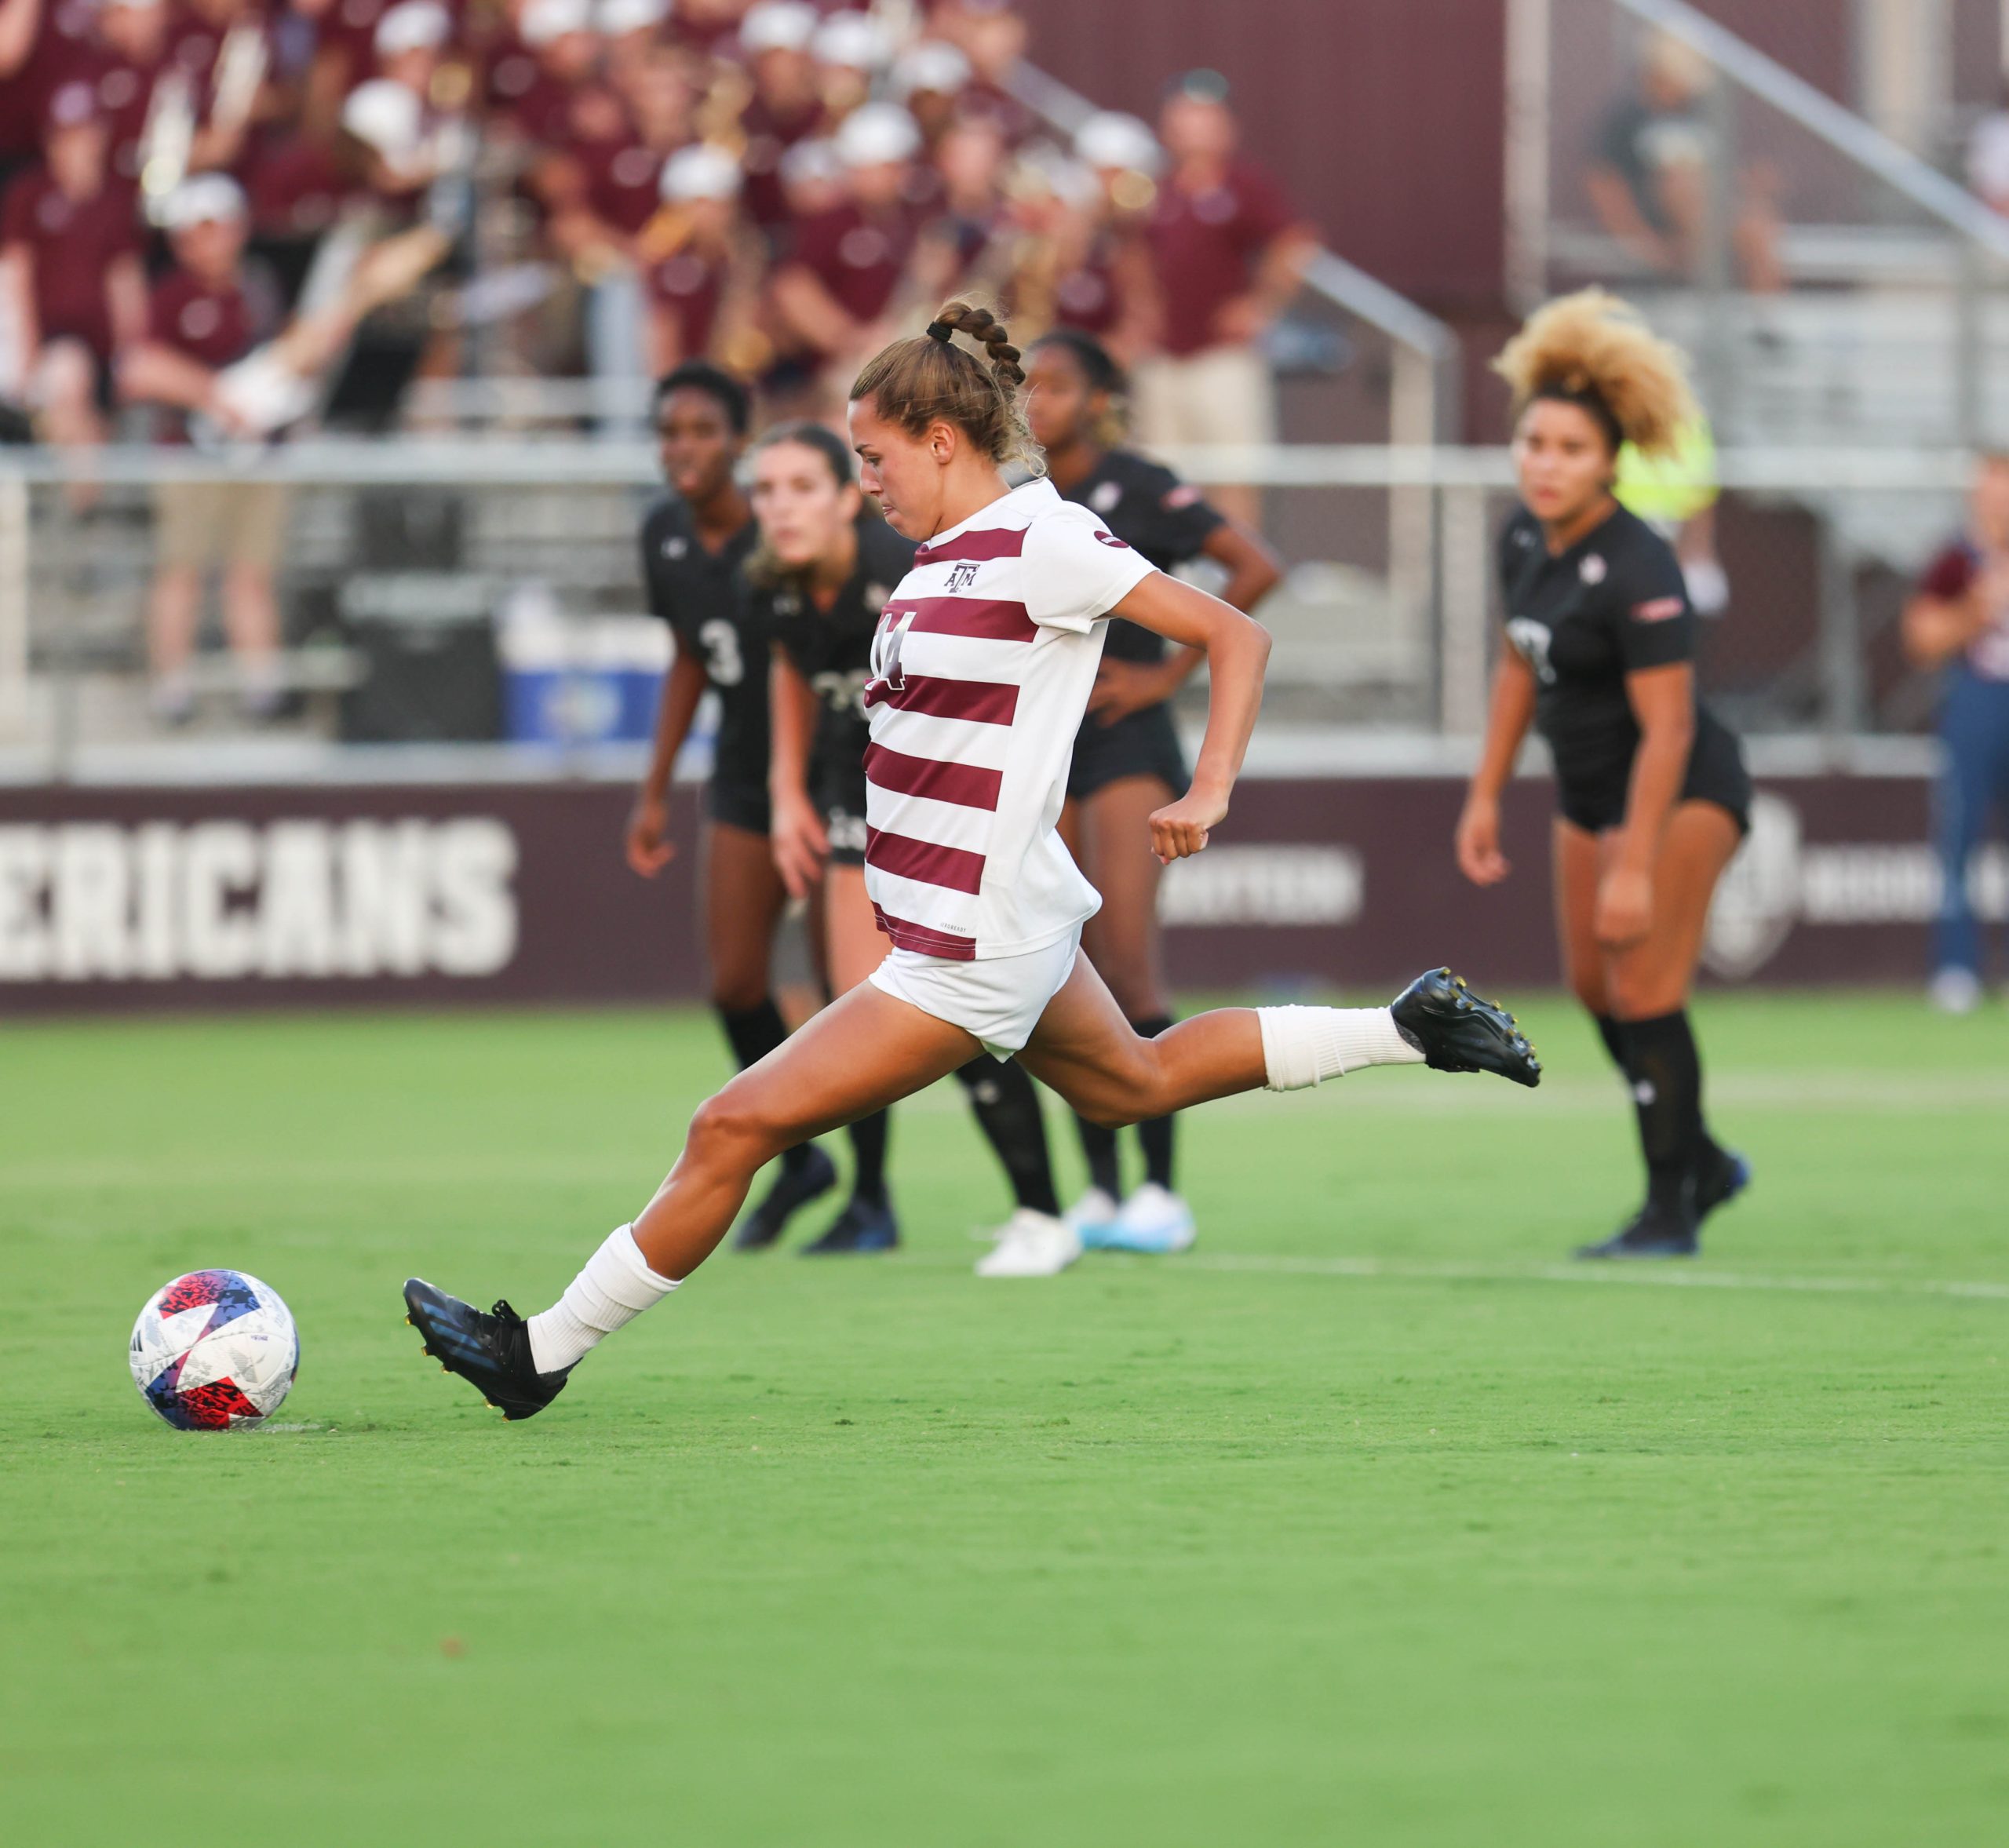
x=693, y=542
x=1652, y=792
x=824, y=572
x=1127, y=759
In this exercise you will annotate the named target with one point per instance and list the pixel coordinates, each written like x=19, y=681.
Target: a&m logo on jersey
x=962, y=576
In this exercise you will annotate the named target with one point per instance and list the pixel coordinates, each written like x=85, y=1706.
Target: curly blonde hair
x=1594, y=350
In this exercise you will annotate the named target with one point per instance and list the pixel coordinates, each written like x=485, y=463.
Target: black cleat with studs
x=491, y=1352
x=1456, y=1031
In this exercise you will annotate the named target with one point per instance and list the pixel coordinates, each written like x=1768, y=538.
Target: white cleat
x=1954, y=990
x=1152, y=1219
x=1092, y=1217
x=1031, y=1244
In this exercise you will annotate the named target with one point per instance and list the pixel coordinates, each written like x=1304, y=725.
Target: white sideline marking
x=1619, y=1271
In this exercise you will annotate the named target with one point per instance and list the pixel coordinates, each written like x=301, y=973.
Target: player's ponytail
x=926, y=376
x=1596, y=352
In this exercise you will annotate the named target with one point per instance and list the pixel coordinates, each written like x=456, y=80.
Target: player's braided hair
x=915, y=381
x=1594, y=351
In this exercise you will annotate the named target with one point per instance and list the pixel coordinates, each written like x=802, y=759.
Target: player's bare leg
x=863, y=1052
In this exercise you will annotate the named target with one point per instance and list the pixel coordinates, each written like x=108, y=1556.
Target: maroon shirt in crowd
x=71, y=244
x=214, y=327
x=770, y=134
x=689, y=284
x=624, y=181
x=60, y=40
x=1206, y=247
x=859, y=259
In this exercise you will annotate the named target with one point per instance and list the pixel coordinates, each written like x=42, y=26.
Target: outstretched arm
x=1238, y=649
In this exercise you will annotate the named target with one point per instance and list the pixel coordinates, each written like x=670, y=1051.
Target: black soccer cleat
x=1456, y=1031
x=863, y=1225
x=1657, y=1232
x=1719, y=1178
x=491, y=1352
x=793, y=1190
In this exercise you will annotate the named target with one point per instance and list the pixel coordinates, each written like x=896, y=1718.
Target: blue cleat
x=491, y=1352
x=863, y=1225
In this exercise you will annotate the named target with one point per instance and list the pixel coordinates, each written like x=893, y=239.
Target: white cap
x=1110, y=139
x=618, y=16
x=811, y=160
x=208, y=199
x=778, y=25
x=417, y=25
x=931, y=64
x=876, y=133
x=855, y=41
x=700, y=171
x=1048, y=170
x=387, y=116
x=544, y=21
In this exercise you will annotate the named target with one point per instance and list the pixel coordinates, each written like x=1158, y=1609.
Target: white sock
x=615, y=1287
x=1303, y=1046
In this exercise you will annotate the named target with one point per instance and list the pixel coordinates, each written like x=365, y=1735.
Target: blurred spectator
x=204, y=314
x=850, y=48
x=70, y=267
x=1675, y=492
x=834, y=294
x=786, y=106
x=563, y=52
x=694, y=259
x=123, y=57
x=706, y=26
x=992, y=35
x=932, y=79
x=969, y=245
x=1648, y=179
x=406, y=143
x=1228, y=254
x=1959, y=622
x=1988, y=155
x=1103, y=280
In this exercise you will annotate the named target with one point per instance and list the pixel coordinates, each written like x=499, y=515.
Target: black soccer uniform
x=831, y=650
x=700, y=595
x=1611, y=605
x=1155, y=513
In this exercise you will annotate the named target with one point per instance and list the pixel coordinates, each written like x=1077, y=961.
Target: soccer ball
x=215, y=1350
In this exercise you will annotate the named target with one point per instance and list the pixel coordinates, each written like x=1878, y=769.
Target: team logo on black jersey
x=1593, y=568
x=676, y=546
x=962, y=576
x=1107, y=496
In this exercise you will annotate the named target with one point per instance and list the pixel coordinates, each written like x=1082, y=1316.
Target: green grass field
x=1370, y=1521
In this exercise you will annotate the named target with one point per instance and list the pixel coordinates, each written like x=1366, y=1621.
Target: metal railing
x=1973, y=240
x=1353, y=659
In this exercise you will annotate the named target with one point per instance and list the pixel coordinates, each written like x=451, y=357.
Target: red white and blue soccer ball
x=215, y=1350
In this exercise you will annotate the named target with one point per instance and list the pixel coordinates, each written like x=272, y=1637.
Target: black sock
x=1666, y=1073
x=868, y=1148
x=1612, y=1033
x=1099, y=1145
x=1008, y=1109
x=1154, y=1136
x=753, y=1032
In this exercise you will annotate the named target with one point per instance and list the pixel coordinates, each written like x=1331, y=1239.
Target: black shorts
x=1142, y=744
x=1716, y=773
x=738, y=805
x=846, y=829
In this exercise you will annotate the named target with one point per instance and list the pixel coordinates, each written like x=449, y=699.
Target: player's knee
x=729, y=1132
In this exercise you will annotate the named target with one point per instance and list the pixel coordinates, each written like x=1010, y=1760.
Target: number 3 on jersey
x=724, y=665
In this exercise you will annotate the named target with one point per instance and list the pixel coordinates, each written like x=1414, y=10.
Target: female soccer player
x=981, y=670
x=1126, y=761
x=694, y=543
x=1652, y=792
x=823, y=573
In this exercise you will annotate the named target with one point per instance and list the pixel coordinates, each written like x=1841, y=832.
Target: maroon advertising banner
x=126, y=899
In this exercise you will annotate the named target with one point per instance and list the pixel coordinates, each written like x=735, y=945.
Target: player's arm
x=1237, y=650
x=801, y=846
x=19, y=21
x=17, y=301
x=1663, y=702
x=1123, y=687
x=650, y=848
x=811, y=313
x=1476, y=843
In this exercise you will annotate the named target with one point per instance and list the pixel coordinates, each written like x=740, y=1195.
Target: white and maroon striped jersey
x=981, y=670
